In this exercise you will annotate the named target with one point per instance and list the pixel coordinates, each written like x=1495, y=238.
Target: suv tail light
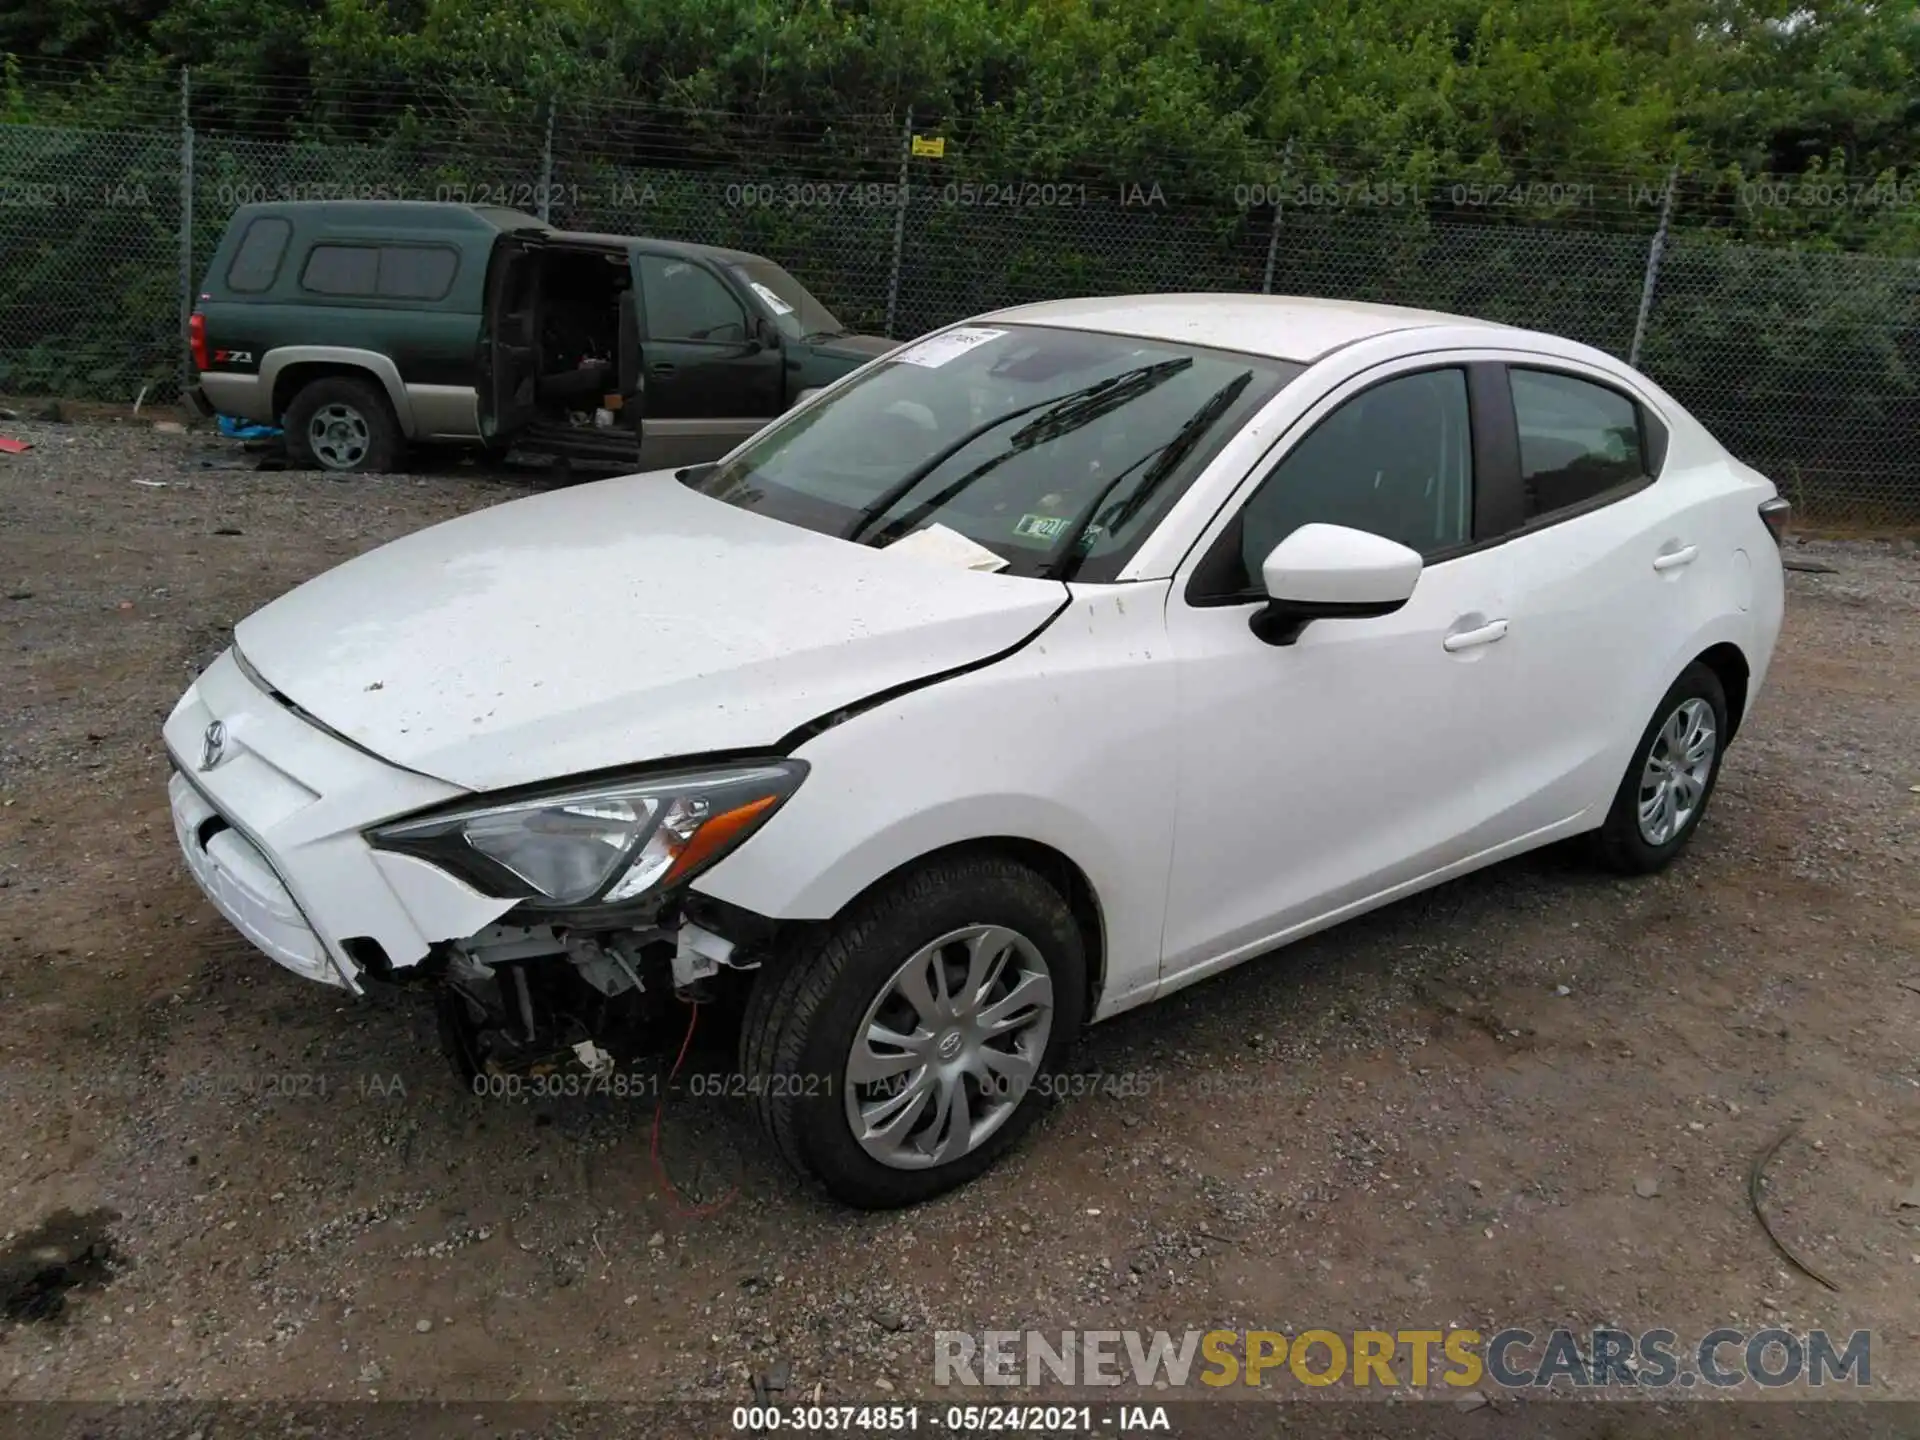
x=1774, y=514
x=197, y=340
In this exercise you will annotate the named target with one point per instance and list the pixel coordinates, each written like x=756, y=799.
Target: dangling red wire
x=659, y=1166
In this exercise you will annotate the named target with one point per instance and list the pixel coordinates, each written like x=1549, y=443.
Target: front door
x=1321, y=773
x=711, y=381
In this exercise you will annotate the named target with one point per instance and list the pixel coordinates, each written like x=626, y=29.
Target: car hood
x=856, y=347
x=615, y=623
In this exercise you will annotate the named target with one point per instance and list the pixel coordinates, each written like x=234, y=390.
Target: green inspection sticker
x=1041, y=527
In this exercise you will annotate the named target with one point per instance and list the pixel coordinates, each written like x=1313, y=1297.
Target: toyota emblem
x=213, y=745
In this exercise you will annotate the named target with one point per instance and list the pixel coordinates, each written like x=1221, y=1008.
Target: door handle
x=1483, y=635
x=1674, y=559
x=660, y=367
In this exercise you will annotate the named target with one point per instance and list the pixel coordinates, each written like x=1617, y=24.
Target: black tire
x=1619, y=842
x=801, y=1017
x=369, y=438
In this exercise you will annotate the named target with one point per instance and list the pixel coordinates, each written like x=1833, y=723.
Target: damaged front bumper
x=269, y=809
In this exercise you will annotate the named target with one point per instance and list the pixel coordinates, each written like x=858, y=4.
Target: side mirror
x=766, y=334
x=1330, y=572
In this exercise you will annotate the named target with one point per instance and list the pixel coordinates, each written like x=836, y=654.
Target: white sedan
x=1039, y=668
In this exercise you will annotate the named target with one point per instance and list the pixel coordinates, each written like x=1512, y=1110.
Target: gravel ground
x=1530, y=1098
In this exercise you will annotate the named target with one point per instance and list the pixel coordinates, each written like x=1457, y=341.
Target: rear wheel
x=1670, y=778
x=342, y=425
x=905, y=1050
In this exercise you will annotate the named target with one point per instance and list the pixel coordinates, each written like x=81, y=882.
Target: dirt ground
x=1531, y=1098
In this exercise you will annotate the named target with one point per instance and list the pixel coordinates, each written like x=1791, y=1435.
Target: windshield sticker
x=774, y=302
x=939, y=349
x=1040, y=527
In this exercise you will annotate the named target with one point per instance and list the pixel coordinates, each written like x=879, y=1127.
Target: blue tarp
x=235, y=429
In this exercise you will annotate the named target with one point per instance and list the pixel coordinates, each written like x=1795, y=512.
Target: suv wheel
x=913, y=1043
x=342, y=425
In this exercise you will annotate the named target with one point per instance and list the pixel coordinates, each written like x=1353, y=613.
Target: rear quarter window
x=384, y=272
x=256, y=261
x=417, y=272
x=342, y=270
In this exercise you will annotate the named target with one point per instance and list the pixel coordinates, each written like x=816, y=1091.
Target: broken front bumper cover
x=269, y=814
x=241, y=883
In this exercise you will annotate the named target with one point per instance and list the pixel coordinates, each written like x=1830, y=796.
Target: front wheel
x=1670, y=778
x=904, y=1051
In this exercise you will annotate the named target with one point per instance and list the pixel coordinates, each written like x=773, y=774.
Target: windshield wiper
x=813, y=335
x=1064, y=413
x=1064, y=561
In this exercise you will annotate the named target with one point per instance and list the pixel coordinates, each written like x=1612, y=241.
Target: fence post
x=1654, y=252
x=186, y=224
x=899, y=223
x=1273, y=235
x=546, y=165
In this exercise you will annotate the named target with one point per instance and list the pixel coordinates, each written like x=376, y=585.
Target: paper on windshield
x=937, y=350
x=947, y=545
x=774, y=302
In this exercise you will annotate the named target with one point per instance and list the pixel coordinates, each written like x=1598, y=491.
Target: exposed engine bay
x=546, y=999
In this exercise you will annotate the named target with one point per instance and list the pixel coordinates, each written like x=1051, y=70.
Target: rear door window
x=1578, y=439
x=256, y=263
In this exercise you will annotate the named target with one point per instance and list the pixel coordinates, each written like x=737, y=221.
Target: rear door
x=710, y=381
x=508, y=356
x=1607, y=574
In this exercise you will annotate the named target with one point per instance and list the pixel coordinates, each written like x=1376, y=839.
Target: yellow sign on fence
x=933, y=147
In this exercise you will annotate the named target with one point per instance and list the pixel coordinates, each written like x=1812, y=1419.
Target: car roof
x=412, y=216
x=1285, y=327
x=679, y=249
x=415, y=217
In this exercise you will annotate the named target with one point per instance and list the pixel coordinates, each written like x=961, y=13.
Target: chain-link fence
x=1753, y=303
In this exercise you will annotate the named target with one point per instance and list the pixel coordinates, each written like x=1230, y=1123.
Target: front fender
x=1024, y=749
x=817, y=881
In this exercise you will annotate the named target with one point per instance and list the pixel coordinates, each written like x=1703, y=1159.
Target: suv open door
x=508, y=360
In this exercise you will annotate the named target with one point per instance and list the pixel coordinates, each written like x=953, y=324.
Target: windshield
x=794, y=308
x=1057, y=450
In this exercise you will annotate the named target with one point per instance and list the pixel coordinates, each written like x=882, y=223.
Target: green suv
x=363, y=327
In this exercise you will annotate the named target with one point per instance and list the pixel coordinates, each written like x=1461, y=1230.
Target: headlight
x=599, y=844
